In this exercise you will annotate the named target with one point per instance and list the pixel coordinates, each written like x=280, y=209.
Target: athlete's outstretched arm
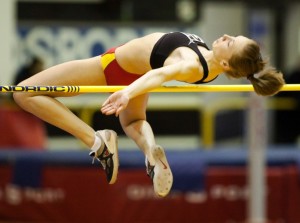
x=155, y=78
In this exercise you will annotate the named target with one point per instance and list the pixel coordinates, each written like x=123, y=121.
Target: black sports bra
x=169, y=42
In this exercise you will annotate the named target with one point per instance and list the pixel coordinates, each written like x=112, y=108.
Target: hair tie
x=256, y=76
x=251, y=76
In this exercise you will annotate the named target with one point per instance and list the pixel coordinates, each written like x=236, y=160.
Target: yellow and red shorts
x=114, y=74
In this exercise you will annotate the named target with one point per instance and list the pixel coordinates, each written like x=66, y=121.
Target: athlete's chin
x=214, y=43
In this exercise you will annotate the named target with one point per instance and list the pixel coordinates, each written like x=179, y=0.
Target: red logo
x=165, y=166
x=106, y=153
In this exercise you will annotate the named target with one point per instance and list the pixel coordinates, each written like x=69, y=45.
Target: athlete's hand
x=115, y=103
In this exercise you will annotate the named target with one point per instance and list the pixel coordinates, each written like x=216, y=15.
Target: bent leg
x=133, y=121
x=134, y=124
x=45, y=106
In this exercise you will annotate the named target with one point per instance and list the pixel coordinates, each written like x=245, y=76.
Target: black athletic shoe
x=109, y=156
x=149, y=169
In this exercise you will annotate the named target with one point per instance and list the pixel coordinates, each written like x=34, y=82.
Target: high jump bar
x=103, y=89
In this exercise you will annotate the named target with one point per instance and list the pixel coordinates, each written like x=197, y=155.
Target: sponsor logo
x=165, y=166
x=39, y=88
x=15, y=195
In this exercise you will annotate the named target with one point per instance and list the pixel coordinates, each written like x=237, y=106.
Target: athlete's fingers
x=107, y=101
x=113, y=111
x=107, y=108
x=104, y=108
x=108, y=104
x=109, y=111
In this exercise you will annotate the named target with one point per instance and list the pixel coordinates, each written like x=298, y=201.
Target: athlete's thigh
x=135, y=110
x=77, y=72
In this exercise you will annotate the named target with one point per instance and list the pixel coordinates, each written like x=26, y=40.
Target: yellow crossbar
x=183, y=88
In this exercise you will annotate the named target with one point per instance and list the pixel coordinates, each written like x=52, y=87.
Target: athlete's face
x=226, y=46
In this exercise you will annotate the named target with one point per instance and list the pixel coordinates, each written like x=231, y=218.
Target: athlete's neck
x=214, y=66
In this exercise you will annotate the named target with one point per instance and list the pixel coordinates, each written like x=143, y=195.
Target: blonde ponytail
x=267, y=82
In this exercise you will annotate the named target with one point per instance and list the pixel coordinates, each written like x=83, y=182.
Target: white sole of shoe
x=112, y=145
x=163, y=177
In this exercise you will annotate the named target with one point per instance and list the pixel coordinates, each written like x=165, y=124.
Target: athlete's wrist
x=127, y=93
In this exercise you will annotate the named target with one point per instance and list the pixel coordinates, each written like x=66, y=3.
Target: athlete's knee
x=21, y=98
x=133, y=125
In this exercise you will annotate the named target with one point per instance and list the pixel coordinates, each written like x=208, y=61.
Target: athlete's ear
x=224, y=64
